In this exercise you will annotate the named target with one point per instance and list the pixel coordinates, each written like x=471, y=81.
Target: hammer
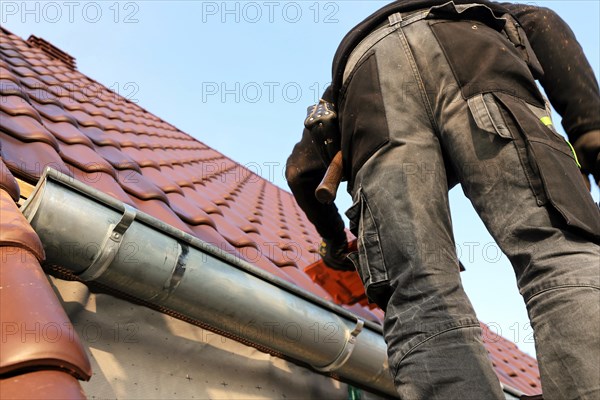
x=327, y=189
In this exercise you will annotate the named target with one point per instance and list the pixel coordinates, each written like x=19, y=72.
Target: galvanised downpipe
x=104, y=240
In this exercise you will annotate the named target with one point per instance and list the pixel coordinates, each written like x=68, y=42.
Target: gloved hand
x=587, y=148
x=334, y=254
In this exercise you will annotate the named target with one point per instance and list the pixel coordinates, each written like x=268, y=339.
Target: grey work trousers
x=425, y=128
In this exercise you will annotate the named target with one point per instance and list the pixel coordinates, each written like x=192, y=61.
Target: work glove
x=587, y=148
x=334, y=254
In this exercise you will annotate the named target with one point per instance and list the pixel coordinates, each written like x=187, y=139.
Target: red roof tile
x=55, y=116
x=514, y=368
x=16, y=231
x=37, y=333
x=41, y=385
x=8, y=182
x=28, y=161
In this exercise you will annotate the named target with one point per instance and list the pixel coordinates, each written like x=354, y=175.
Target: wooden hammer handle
x=327, y=189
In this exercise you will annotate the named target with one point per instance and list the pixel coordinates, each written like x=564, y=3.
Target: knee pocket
x=369, y=259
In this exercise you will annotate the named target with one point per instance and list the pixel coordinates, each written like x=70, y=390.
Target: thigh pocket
x=556, y=177
x=369, y=260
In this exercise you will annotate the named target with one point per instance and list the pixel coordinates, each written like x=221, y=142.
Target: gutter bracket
x=111, y=245
x=346, y=351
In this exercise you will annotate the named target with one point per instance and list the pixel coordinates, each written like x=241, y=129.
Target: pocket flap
x=487, y=115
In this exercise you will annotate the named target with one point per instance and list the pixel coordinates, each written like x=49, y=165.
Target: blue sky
x=238, y=76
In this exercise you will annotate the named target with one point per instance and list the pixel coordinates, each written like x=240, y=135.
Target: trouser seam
x=428, y=339
x=417, y=75
x=573, y=285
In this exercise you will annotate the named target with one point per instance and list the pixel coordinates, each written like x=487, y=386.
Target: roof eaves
x=185, y=276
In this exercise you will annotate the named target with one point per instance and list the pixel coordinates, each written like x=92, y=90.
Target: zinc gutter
x=104, y=241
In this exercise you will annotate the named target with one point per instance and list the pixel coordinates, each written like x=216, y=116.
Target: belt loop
x=395, y=18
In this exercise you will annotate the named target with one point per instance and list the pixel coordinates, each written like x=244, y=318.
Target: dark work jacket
x=568, y=78
x=360, y=31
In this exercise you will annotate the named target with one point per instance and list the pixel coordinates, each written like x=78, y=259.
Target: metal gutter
x=512, y=391
x=103, y=240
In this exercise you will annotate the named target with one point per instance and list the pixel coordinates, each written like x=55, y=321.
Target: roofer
x=434, y=93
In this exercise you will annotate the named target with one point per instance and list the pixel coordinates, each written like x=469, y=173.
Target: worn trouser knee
x=439, y=356
x=567, y=333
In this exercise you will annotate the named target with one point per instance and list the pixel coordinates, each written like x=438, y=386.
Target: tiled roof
x=41, y=385
x=53, y=115
x=36, y=332
x=513, y=367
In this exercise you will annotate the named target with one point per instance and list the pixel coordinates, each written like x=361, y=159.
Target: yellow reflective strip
x=574, y=154
x=546, y=120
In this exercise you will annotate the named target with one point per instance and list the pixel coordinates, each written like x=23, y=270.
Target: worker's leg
x=557, y=268
x=406, y=245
